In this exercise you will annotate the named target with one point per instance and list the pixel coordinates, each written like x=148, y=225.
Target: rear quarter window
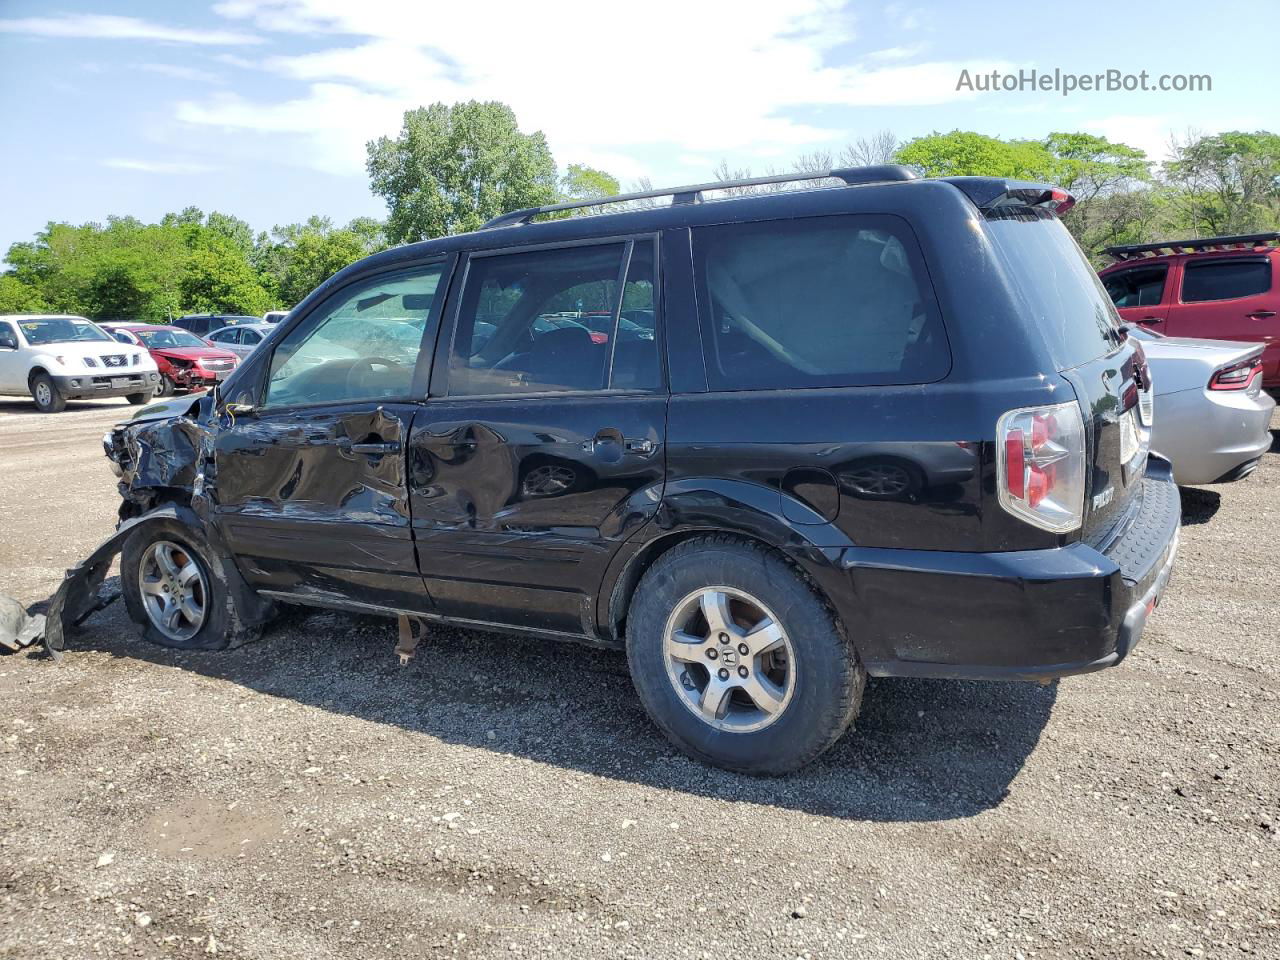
x=1204, y=280
x=1063, y=295
x=817, y=302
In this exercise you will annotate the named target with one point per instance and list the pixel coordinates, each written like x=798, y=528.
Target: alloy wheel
x=173, y=589
x=729, y=659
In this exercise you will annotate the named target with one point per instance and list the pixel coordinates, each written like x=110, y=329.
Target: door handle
x=1261, y=314
x=1152, y=320
x=373, y=449
x=641, y=445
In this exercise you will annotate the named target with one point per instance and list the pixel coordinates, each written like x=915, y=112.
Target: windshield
x=60, y=330
x=168, y=337
x=1066, y=299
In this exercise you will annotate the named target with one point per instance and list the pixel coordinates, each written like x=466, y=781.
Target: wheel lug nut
x=742, y=672
x=742, y=649
x=724, y=674
x=724, y=638
x=711, y=653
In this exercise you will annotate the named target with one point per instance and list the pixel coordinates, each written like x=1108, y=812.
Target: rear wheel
x=45, y=393
x=738, y=661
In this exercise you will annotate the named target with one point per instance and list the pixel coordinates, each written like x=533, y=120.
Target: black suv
x=890, y=428
x=203, y=324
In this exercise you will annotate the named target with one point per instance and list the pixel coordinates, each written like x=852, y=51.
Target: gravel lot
x=307, y=797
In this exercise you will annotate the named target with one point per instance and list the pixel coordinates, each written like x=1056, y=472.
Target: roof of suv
x=865, y=190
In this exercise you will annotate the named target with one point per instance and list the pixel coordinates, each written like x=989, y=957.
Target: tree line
x=451, y=168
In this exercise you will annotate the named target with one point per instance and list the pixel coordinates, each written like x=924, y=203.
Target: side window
x=549, y=321
x=363, y=345
x=8, y=336
x=250, y=337
x=1224, y=279
x=225, y=336
x=1141, y=287
x=817, y=302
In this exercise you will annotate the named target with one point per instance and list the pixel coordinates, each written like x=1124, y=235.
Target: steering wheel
x=356, y=385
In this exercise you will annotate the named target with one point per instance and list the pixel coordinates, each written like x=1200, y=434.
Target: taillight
x=1238, y=376
x=1041, y=465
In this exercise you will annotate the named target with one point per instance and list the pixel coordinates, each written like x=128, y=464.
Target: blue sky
x=261, y=108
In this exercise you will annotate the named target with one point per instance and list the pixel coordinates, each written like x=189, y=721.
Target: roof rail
x=693, y=193
x=1135, y=251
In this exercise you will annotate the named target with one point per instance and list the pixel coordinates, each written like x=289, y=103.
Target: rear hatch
x=1064, y=299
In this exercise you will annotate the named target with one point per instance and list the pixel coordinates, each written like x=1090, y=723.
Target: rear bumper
x=82, y=387
x=1210, y=435
x=1022, y=615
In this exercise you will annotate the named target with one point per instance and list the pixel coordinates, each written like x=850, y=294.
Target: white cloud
x=103, y=27
x=896, y=53
x=1148, y=132
x=157, y=166
x=740, y=82
x=181, y=73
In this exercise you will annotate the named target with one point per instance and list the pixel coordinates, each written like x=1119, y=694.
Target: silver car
x=1212, y=417
x=242, y=338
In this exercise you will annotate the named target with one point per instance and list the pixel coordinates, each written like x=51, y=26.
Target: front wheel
x=45, y=393
x=167, y=386
x=168, y=576
x=737, y=660
x=138, y=399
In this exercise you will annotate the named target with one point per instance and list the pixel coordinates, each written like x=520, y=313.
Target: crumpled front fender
x=78, y=596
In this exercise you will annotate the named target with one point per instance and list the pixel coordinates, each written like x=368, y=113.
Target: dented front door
x=313, y=503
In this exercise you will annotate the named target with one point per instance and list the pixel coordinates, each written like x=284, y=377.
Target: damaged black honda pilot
x=770, y=445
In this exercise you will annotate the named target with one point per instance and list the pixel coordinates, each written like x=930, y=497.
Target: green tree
x=19, y=297
x=298, y=257
x=1112, y=186
x=965, y=153
x=234, y=229
x=587, y=183
x=1225, y=184
x=452, y=168
x=217, y=278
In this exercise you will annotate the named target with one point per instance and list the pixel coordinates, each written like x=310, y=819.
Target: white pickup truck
x=56, y=358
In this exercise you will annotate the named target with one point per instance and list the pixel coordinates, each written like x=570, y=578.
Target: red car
x=1218, y=288
x=185, y=361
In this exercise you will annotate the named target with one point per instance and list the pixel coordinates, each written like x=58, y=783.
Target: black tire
x=48, y=398
x=223, y=622
x=828, y=678
x=167, y=387
x=138, y=399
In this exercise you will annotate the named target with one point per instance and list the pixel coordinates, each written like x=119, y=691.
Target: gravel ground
x=306, y=796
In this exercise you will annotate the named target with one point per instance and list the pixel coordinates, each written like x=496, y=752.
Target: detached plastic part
x=79, y=595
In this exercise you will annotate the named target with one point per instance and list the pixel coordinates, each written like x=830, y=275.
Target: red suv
x=1222, y=288
x=185, y=361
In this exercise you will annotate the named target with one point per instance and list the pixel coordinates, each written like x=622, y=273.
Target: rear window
x=816, y=302
x=1063, y=295
x=1224, y=280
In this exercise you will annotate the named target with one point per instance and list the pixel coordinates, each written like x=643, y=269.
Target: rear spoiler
x=992, y=193
x=1138, y=251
